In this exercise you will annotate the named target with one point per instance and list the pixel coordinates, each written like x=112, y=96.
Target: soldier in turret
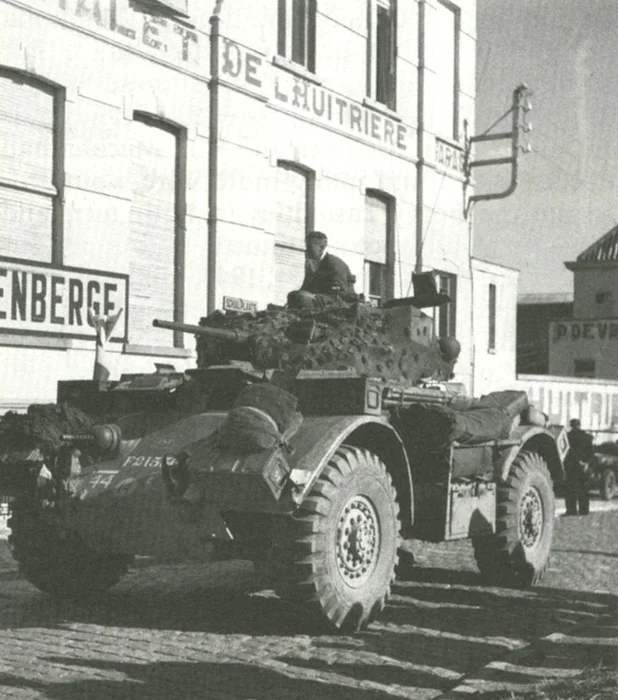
x=326, y=275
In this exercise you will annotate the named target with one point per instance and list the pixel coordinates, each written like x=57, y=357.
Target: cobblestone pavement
x=210, y=631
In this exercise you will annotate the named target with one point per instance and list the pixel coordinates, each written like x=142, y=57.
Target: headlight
x=107, y=436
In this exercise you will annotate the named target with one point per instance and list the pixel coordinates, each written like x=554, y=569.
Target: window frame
x=491, y=330
x=372, y=87
x=180, y=134
x=287, y=33
x=454, y=132
x=388, y=268
x=450, y=308
x=309, y=176
x=56, y=190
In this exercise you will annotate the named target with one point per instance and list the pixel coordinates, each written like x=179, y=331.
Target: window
x=379, y=248
x=445, y=316
x=446, y=108
x=156, y=234
x=382, y=51
x=30, y=169
x=491, y=344
x=604, y=304
x=294, y=219
x=584, y=368
x=296, y=32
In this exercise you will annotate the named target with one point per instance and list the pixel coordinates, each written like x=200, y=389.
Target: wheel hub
x=358, y=541
x=531, y=518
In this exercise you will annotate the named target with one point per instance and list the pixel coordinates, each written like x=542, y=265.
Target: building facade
x=103, y=175
x=586, y=346
x=494, y=328
x=167, y=157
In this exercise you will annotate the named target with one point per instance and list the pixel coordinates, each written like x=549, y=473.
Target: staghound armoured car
x=308, y=441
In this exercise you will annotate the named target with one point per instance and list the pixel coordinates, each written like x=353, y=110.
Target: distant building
x=534, y=314
x=586, y=345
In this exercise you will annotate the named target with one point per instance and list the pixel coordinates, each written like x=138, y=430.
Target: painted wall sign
x=583, y=330
x=595, y=404
x=304, y=97
x=238, y=304
x=449, y=156
x=36, y=298
x=122, y=19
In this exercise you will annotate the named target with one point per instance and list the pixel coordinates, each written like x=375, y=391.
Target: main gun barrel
x=223, y=333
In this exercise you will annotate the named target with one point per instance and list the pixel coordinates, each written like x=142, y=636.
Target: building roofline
x=545, y=298
x=495, y=264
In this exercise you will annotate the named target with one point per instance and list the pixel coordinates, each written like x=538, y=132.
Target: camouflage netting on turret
x=341, y=336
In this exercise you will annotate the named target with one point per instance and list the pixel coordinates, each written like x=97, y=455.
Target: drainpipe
x=213, y=158
x=420, y=136
x=473, y=357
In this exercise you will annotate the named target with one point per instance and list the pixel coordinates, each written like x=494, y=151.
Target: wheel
x=518, y=553
x=58, y=563
x=342, y=551
x=608, y=485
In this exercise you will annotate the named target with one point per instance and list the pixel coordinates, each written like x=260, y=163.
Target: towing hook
x=175, y=473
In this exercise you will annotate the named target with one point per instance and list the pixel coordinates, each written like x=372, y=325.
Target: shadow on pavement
x=561, y=550
x=438, y=627
x=186, y=680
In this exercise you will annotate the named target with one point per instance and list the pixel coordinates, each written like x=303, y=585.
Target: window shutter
x=152, y=232
x=27, y=160
x=289, y=272
x=376, y=217
x=25, y=225
x=291, y=226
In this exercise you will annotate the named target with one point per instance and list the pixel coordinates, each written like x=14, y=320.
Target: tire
x=58, y=563
x=609, y=488
x=342, y=551
x=518, y=553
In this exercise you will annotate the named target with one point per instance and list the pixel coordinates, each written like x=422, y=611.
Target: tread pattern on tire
x=305, y=579
x=60, y=565
x=495, y=555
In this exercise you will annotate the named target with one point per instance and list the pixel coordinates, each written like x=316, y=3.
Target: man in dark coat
x=576, y=470
x=325, y=273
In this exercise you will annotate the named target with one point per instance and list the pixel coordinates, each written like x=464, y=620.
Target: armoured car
x=310, y=441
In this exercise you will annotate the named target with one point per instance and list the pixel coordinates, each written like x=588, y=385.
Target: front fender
x=321, y=436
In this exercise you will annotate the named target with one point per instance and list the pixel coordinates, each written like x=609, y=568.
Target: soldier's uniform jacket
x=580, y=449
x=330, y=274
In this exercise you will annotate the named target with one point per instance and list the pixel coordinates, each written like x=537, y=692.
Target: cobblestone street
x=210, y=631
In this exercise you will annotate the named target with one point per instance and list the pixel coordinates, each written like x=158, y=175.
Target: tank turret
x=395, y=343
